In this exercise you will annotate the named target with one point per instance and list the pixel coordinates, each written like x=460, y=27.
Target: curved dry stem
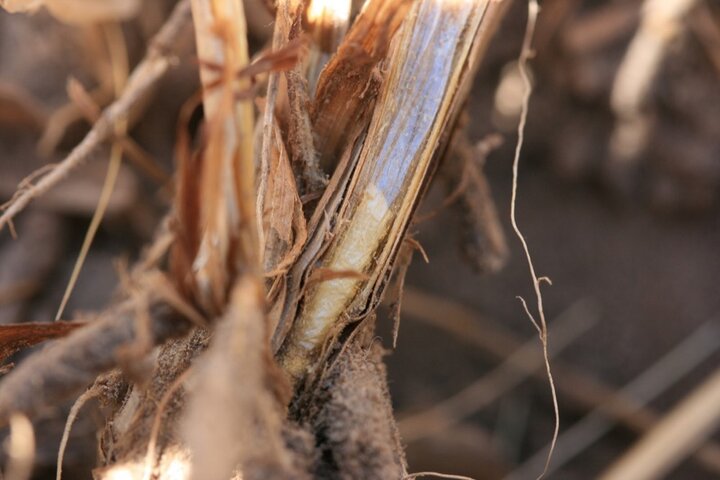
x=60, y=370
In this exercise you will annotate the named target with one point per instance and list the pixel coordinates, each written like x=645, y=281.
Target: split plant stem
x=417, y=105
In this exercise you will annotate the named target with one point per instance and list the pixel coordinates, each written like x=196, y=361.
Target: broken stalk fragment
x=349, y=83
x=431, y=64
x=222, y=214
x=328, y=21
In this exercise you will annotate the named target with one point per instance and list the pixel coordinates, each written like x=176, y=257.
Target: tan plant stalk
x=417, y=105
x=228, y=240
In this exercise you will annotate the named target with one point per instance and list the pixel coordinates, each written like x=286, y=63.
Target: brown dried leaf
x=187, y=204
x=283, y=220
x=14, y=338
x=350, y=82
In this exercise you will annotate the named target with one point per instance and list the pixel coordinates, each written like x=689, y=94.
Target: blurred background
x=629, y=240
x=618, y=200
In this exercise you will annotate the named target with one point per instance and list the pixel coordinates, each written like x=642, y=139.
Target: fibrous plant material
x=300, y=144
x=349, y=84
x=63, y=368
x=355, y=428
x=280, y=375
x=421, y=95
x=284, y=229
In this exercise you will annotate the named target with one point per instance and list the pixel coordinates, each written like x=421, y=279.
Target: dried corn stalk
x=381, y=178
x=662, y=21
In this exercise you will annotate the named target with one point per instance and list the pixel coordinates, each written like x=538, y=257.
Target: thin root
x=74, y=410
x=541, y=325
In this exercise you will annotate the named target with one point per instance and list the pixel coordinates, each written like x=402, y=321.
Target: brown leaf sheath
x=351, y=80
x=14, y=338
x=284, y=225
